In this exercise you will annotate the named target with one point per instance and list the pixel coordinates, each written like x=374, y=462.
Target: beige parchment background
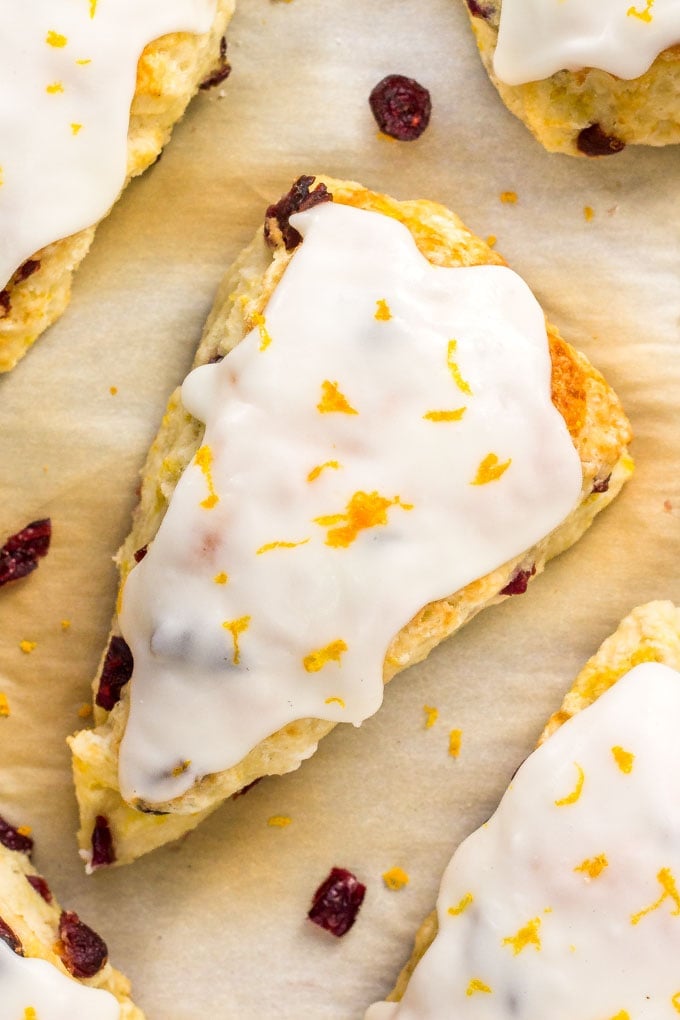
x=215, y=926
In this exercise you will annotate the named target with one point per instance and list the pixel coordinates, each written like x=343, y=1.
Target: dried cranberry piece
x=519, y=583
x=336, y=902
x=13, y=839
x=602, y=484
x=82, y=951
x=297, y=199
x=141, y=553
x=12, y=940
x=116, y=672
x=478, y=10
x=401, y=107
x=20, y=554
x=221, y=72
x=103, y=852
x=593, y=141
x=26, y=269
x=40, y=886
x=5, y=303
x=248, y=786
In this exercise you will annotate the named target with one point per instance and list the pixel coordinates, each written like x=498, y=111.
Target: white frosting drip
x=27, y=983
x=66, y=83
x=537, y=38
x=569, y=909
x=191, y=702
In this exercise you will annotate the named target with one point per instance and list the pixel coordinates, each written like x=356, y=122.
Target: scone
x=586, y=78
x=395, y=444
x=565, y=903
x=90, y=93
x=52, y=965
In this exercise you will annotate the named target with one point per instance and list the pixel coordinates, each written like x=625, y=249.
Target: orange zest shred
x=463, y=905
x=221, y=578
x=280, y=545
x=588, y=213
x=395, y=879
x=24, y=830
x=621, y=1015
x=382, y=310
x=670, y=891
x=204, y=460
x=335, y=701
x=332, y=400
x=508, y=197
x=236, y=628
x=316, y=471
x=461, y=383
x=572, y=797
x=93, y=8
x=55, y=39
x=455, y=415
x=431, y=715
x=85, y=711
x=364, y=510
x=476, y=985
x=455, y=742
x=279, y=821
x=54, y=88
x=28, y=646
x=624, y=759
x=644, y=15
x=526, y=936
x=316, y=660
x=265, y=335
x=65, y=624
x=675, y=1002
x=4, y=706
x=593, y=866
x=490, y=470
x=30, y=1013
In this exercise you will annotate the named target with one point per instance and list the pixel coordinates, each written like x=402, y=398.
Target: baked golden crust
x=599, y=430
x=558, y=110
x=169, y=72
x=35, y=922
x=650, y=633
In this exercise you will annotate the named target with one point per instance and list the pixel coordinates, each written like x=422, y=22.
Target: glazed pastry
x=101, y=87
x=565, y=902
x=396, y=443
x=52, y=965
x=587, y=79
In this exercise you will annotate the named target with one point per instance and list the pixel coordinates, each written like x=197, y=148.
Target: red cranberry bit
x=477, y=10
x=221, y=72
x=28, y=268
x=298, y=199
x=602, y=484
x=519, y=583
x=116, y=672
x=40, y=886
x=103, y=852
x=401, y=107
x=82, y=951
x=5, y=303
x=20, y=554
x=336, y=902
x=593, y=141
x=12, y=940
x=13, y=839
x=141, y=553
x=244, y=789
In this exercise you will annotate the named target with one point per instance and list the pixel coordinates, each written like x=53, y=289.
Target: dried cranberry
x=5, y=303
x=20, y=554
x=141, y=553
x=478, y=10
x=593, y=141
x=248, y=786
x=12, y=940
x=601, y=485
x=40, y=886
x=13, y=839
x=26, y=269
x=336, y=902
x=401, y=107
x=221, y=72
x=103, y=852
x=297, y=199
x=519, y=583
x=116, y=672
x=82, y=951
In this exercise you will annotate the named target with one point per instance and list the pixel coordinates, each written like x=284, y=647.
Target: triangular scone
x=595, y=436
x=74, y=975
x=599, y=915
x=588, y=111
x=169, y=72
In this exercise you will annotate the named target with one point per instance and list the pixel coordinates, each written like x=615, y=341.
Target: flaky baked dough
x=596, y=422
x=642, y=111
x=169, y=72
x=36, y=923
x=650, y=633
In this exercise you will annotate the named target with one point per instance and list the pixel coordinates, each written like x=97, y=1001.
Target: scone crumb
x=589, y=213
x=431, y=715
x=395, y=879
x=85, y=711
x=27, y=646
x=4, y=706
x=455, y=742
x=279, y=821
x=508, y=197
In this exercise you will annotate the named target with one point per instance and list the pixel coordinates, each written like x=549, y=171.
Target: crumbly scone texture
x=642, y=111
x=169, y=72
x=650, y=633
x=596, y=422
x=35, y=922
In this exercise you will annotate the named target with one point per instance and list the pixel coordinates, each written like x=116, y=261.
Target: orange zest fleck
x=670, y=891
x=333, y=401
x=395, y=878
x=431, y=715
x=221, y=578
x=316, y=660
x=621, y=1015
x=466, y=901
x=335, y=701
x=476, y=985
x=382, y=311
x=204, y=459
x=265, y=335
x=490, y=470
x=572, y=797
x=491, y=240
x=593, y=866
x=364, y=510
x=624, y=759
x=55, y=39
x=85, y=711
x=461, y=383
x=316, y=471
x=30, y=1013
x=93, y=8
x=526, y=936
x=589, y=213
x=28, y=646
x=508, y=197
x=644, y=15
x=236, y=628
x=455, y=742
x=280, y=545
x=4, y=706
x=54, y=88
x=112, y=389
x=24, y=830
x=675, y=1002
x=279, y=821
x=455, y=415
x=83, y=63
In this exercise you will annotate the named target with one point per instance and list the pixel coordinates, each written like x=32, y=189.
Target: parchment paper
x=215, y=926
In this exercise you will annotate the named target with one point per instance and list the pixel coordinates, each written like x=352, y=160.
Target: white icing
x=537, y=38
x=190, y=702
x=600, y=953
x=57, y=178
x=27, y=983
